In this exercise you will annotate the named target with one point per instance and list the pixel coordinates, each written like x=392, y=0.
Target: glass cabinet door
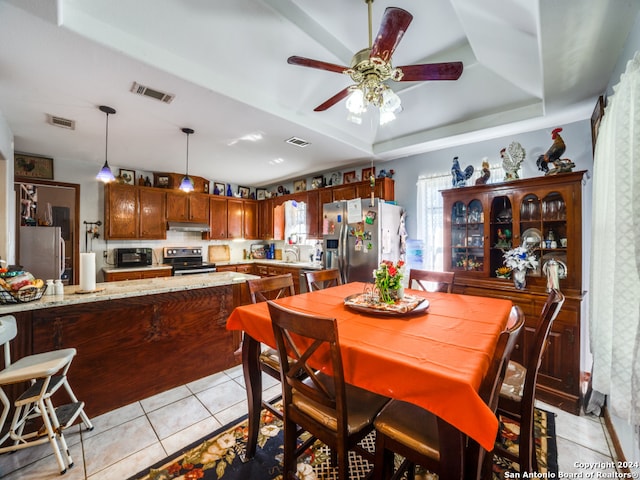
x=467, y=236
x=554, y=233
x=501, y=227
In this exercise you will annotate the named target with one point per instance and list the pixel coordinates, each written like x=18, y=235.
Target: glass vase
x=520, y=279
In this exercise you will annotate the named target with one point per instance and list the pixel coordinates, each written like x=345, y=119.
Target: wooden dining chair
x=422, y=439
x=425, y=280
x=517, y=395
x=320, y=279
x=261, y=290
x=338, y=414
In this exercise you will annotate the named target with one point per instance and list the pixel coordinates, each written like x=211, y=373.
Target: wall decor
x=218, y=188
x=317, y=182
x=160, y=180
x=261, y=193
x=32, y=166
x=368, y=172
x=299, y=185
x=335, y=178
x=596, y=118
x=349, y=177
x=128, y=176
x=243, y=191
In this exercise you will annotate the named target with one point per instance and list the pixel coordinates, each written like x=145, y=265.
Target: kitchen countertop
x=130, y=288
x=136, y=269
x=283, y=263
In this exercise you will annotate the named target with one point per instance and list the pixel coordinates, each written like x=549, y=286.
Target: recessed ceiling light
x=298, y=142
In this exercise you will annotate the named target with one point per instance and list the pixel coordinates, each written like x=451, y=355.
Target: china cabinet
x=543, y=214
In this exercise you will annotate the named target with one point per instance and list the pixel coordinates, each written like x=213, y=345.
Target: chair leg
x=53, y=418
x=290, y=440
x=52, y=437
x=85, y=419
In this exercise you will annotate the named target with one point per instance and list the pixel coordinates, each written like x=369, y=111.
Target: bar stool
x=46, y=372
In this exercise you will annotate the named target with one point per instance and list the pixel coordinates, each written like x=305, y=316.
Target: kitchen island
x=135, y=338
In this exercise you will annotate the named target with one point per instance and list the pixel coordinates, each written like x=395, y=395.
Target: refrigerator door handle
x=62, y=255
x=344, y=260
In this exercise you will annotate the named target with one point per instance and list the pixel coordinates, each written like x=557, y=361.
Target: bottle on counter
x=51, y=289
x=58, y=288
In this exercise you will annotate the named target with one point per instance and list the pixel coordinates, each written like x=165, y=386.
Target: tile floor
x=136, y=436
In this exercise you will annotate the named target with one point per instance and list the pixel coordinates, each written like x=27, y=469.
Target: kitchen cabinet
x=545, y=215
x=383, y=189
x=217, y=217
x=265, y=219
x=187, y=207
x=112, y=276
x=133, y=212
x=242, y=218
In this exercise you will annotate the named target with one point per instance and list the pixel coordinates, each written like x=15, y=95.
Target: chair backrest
x=271, y=288
x=550, y=310
x=490, y=387
x=8, y=331
x=302, y=337
x=425, y=279
x=320, y=279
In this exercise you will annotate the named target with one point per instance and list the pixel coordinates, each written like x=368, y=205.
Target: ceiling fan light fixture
x=355, y=103
x=105, y=175
x=186, y=185
x=390, y=101
x=386, y=117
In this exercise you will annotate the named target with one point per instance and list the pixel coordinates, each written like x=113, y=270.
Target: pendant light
x=187, y=184
x=105, y=175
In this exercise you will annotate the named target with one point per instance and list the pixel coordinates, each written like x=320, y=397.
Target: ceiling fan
x=371, y=67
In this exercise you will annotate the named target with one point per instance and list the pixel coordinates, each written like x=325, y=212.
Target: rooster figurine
x=512, y=158
x=553, y=155
x=485, y=174
x=459, y=176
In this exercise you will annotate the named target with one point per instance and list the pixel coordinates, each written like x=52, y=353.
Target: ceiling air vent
x=150, y=92
x=298, y=142
x=61, y=122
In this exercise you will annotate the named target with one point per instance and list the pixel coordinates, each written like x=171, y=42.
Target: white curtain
x=430, y=219
x=614, y=291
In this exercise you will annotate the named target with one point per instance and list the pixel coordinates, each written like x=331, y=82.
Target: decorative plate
x=409, y=305
x=532, y=237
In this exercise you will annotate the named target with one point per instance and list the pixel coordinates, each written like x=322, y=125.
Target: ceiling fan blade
x=431, y=71
x=342, y=94
x=308, y=62
x=394, y=23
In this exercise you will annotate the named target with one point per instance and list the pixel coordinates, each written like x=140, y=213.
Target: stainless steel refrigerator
x=42, y=251
x=358, y=236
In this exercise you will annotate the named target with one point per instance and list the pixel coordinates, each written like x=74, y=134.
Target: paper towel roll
x=87, y=271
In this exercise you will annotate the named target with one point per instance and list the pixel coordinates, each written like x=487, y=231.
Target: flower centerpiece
x=388, y=280
x=519, y=260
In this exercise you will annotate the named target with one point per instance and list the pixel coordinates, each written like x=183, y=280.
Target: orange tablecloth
x=435, y=360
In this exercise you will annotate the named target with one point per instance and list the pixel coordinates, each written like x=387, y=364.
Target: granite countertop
x=136, y=269
x=130, y=288
x=283, y=263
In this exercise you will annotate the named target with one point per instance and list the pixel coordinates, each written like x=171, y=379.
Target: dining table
x=435, y=357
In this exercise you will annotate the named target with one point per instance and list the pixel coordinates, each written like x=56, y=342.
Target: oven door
x=191, y=271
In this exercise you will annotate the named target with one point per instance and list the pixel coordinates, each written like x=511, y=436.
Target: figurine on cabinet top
x=459, y=176
x=486, y=173
x=553, y=154
x=512, y=158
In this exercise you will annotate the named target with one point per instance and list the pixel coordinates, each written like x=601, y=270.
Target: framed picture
x=160, y=180
x=218, y=188
x=128, y=176
x=317, y=182
x=349, y=177
x=32, y=166
x=243, y=191
x=335, y=178
x=367, y=172
x=596, y=118
x=261, y=193
x=299, y=185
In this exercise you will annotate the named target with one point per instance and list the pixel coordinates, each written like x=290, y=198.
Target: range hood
x=187, y=227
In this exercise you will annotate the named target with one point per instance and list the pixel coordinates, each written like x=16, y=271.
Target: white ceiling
x=528, y=64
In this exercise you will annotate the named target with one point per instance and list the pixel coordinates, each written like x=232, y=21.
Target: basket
x=24, y=295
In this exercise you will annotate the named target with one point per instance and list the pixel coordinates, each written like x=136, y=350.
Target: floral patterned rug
x=220, y=455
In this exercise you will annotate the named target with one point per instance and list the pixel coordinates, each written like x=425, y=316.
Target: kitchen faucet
x=296, y=253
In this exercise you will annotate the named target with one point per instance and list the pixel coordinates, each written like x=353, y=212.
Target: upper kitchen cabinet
x=187, y=207
x=383, y=189
x=132, y=212
x=265, y=219
x=217, y=217
x=242, y=218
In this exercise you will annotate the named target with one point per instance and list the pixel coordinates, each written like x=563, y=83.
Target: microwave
x=133, y=257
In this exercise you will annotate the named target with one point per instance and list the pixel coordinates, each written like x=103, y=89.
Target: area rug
x=219, y=456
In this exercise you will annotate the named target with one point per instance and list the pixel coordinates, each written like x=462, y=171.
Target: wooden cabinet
x=187, y=207
x=544, y=214
x=242, y=218
x=383, y=189
x=265, y=219
x=217, y=217
x=250, y=219
x=133, y=212
x=136, y=274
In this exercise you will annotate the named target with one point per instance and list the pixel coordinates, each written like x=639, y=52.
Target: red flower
x=174, y=468
x=194, y=474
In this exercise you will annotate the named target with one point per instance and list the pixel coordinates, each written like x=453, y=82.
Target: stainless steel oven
x=186, y=261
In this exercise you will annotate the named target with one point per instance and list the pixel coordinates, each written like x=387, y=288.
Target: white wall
x=7, y=198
